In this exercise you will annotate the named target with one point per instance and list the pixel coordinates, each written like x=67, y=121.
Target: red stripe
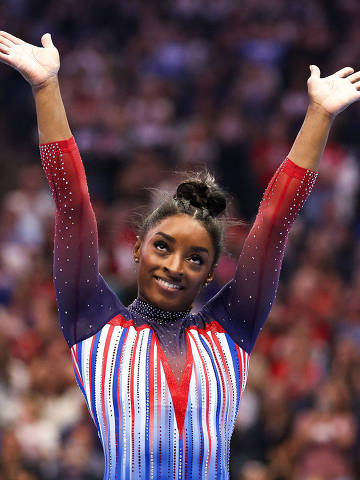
x=185, y=455
x=118, y=384
x=76, y=365
x=104, y=363
x=201, y=453
x=239, y=354
x=207, y=400
x=244, y=367
x=221, y=375
x=213, y=326
x=120, y=321
x=158, y=373
x=90, y=373
x=179, y=391
x=152, y=399
x=132, y=399
x=247, y=356
x=225, y=364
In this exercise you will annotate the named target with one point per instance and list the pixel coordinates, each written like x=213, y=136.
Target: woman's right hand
x=37, y=65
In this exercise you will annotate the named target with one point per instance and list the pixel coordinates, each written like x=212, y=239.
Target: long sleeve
x=85, y=302
x=244, y=303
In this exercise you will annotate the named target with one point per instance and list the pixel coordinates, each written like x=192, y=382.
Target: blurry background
x=156, y=86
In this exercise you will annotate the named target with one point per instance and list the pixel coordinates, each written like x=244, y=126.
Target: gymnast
x=162, y=384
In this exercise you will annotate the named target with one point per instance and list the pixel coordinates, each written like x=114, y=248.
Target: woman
x=163, y=385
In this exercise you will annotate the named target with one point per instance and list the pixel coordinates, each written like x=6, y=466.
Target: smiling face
x=176, y=258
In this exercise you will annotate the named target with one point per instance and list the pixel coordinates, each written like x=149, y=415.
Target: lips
x=168, y=284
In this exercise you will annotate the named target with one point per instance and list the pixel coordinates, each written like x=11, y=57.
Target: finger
x=10, y=37
x=344, y=72
x=315, y=71
x=46, y=40
x=357, y=85
x=355, y=77
x=4, y=58
x=5, y=41
x=4, y=49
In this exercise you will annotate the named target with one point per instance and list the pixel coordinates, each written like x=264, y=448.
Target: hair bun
x=202, y=194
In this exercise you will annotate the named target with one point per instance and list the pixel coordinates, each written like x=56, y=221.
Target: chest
x=123, y=371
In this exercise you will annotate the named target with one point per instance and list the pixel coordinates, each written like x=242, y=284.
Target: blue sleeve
x=85, y=301
x=242, y=306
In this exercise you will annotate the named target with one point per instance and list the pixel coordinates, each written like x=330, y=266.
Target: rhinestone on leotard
x=147, y=310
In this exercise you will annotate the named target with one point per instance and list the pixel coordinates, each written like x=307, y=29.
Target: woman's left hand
x=335, y=92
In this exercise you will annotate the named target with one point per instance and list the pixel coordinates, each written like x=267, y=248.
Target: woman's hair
x=199, y=197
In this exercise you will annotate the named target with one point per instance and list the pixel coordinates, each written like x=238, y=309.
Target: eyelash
x=160, y=243
x=162, y=247
x=198, y=261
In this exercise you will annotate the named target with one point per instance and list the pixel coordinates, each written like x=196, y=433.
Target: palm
x=335, y=92
x=36, y=64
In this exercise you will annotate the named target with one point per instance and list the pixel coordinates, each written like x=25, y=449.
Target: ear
x=137, y=248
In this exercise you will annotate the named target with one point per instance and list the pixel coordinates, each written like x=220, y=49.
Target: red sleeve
x=85, y=302
x=243, y=305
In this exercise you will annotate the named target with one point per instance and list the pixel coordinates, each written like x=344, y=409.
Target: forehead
x=185, y=230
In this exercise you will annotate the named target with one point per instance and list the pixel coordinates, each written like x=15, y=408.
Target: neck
x=150, y=311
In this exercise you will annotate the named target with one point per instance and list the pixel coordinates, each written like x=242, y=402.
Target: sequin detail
x=85, y=302
x=149, y=311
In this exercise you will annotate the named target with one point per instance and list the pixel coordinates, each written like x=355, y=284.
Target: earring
x=136, y=260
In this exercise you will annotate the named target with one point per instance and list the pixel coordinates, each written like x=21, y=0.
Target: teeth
x=168, y=284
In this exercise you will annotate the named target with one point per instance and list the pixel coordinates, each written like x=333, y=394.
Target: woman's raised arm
x=243, y=305
x=85, y=301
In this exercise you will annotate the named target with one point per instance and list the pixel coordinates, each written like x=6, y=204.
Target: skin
x=180, y=251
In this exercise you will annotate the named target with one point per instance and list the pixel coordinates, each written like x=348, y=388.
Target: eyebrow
x=165, y=235
x=173, y=240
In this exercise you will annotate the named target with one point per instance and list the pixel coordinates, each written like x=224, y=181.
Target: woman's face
x=175, y=260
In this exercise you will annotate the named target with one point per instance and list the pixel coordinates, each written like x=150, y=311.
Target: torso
x=156, y=423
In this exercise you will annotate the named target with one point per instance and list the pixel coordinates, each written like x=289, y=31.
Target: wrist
x=50, y=82
x=318, y=111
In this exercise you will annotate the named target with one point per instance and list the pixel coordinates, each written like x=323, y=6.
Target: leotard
x=153, y=425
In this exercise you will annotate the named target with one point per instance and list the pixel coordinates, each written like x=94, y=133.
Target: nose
x=174, y=266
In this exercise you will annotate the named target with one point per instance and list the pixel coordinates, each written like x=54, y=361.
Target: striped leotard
x=153, y=422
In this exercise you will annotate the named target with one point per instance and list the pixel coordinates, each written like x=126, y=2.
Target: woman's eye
x=196, y=259
x=160, y=245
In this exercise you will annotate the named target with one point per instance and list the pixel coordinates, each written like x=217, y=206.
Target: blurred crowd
x=153, y=87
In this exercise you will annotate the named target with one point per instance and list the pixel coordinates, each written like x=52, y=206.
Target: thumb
x=315, y=71
x=46, y=40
